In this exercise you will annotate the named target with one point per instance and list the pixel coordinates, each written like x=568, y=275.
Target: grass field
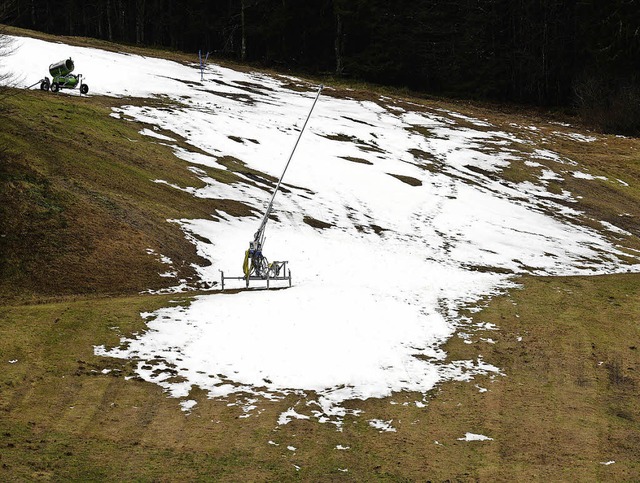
x=566, y=402
x=79, y=211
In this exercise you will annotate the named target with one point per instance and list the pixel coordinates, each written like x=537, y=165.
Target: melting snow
x=290, y=414
x=581, y=175
x=377, y=293
x=187, y=405
x=383, y=426
x=153, y=134
x=576, y=136
x=475, y=437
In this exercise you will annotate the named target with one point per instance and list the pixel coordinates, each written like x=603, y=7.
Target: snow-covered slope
x=422, y=225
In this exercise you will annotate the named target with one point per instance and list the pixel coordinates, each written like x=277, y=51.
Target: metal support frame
x=203, y=63
x=268, y=279
x=36, y=83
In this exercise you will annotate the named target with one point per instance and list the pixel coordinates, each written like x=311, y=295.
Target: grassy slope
x=568, y=401
x=79, y=208
x=78, y=212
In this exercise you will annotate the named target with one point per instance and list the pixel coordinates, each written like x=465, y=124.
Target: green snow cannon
x=64, y=67
x=63, y=78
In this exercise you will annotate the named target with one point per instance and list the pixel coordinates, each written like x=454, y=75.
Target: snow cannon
x=255, y=265
x=62, y=68
x=63, y=78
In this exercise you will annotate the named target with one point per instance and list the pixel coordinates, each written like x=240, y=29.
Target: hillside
x=443, y=258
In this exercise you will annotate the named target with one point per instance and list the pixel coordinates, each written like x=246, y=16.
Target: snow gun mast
x=255, y=265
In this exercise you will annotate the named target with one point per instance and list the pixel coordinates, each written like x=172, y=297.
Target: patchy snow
x=382, y=426
x=475, y=437
x=289, y=415
x=587, y=176
x=614, y=228
x=576, y=136
x=607, y=463
x=377, y=293
x=187, y=405
x=548, y=175
x=248, y=408
x=153, y=134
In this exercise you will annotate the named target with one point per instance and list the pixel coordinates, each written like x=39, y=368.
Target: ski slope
x=421, y=227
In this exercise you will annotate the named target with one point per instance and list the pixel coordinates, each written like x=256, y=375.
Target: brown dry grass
x=79, y=205
x=567, y=401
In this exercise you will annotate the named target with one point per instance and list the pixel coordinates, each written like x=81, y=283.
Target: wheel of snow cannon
x=84, y=88
x=55, y=87
x=44, y=85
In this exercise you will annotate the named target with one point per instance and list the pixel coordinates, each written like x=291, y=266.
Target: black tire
x=84, y=88
x=44, y=85
x=55, y=87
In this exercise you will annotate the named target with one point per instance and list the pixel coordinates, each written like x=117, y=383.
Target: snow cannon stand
x=258, y=269
x=255, y=266
x=63, y=78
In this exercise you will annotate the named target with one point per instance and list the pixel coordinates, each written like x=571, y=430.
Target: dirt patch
x=378, y=230
x=356, y=160
x=407, y=179
x=309, y=220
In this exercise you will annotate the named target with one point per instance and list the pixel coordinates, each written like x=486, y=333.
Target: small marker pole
x=203, y=63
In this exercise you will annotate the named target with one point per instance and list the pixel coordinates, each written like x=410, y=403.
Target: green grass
x=568, y=400
x=78, y=203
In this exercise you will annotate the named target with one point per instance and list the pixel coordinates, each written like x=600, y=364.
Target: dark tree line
x=584, y=53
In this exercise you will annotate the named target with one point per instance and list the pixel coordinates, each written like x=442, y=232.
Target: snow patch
x=382, y=426
x=188, y=405
x=153, y=134
x=475, y=437
x=290, y=414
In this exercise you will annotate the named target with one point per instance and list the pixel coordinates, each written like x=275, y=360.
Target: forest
x=577, y=54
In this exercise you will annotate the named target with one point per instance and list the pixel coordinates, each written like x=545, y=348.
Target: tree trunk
x=140, y=21
x=121, y=19
x=109, y=28
x=243, y=47
x=33, y=13
x=339, y=45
